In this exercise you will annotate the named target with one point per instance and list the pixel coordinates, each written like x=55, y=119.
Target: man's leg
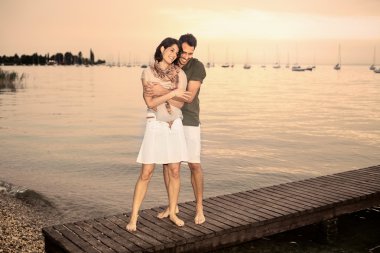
x=193, y=141
x=197, y=183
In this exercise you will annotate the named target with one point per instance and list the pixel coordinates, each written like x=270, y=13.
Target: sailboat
x=263, y=65
x=247, y=65
x=208, y=65
x=277, y=64
x=313, y=67
x=338, y=65
x=129, y=61
x=372, y=67
x=226, y=64
x=287, y=63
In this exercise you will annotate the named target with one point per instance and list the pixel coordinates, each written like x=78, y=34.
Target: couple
x=172, y=135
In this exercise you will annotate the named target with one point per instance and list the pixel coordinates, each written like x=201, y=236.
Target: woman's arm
x=153, y=102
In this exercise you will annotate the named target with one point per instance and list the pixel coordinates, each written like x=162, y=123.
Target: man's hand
x=153, y=89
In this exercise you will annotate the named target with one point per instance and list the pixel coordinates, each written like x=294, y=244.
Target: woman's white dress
x=163, y=144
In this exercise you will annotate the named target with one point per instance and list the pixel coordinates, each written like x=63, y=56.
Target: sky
x=235, y=31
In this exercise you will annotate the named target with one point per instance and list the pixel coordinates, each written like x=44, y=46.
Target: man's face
x=187, y=53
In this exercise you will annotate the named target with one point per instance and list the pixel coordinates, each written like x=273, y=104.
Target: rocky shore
x=23, y=214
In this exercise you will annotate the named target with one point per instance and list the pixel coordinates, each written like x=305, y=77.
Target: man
x=195, y=73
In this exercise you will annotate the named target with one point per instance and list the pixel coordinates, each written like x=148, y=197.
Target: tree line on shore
x=56, y=59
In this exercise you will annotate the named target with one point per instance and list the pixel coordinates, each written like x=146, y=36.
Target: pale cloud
x=253, y=24
x=114, y=28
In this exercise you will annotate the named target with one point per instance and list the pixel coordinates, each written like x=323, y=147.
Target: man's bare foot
x=174, y=218
x=131, y=226
x=199, y=218
x=165, y=214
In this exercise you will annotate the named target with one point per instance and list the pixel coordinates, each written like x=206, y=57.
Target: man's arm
x=152, y=102
x=193, y=87
x=156, y=90
x=153, y=89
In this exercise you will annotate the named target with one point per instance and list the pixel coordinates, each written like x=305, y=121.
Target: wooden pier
x=231, y=219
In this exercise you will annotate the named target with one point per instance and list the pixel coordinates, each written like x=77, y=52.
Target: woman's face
x=169, y=54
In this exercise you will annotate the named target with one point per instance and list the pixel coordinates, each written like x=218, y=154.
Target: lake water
x=73, y=133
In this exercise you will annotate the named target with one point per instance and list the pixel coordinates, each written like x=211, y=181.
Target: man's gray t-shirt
x=195, y=71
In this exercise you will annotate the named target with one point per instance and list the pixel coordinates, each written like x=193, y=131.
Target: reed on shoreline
x=11, y=80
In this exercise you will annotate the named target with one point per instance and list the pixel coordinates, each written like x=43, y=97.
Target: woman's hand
x=185, y=95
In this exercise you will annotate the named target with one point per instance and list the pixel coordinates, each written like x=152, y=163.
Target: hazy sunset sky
x=226, y=30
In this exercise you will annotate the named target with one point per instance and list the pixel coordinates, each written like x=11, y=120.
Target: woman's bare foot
x=131, y=226
x=174, y=218
x=165, y=214
x=199, y=218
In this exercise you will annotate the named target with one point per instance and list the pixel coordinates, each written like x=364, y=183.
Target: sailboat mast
x=374, y=56
x=340, y=59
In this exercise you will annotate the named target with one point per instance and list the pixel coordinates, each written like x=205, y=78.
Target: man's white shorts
x=193, y=141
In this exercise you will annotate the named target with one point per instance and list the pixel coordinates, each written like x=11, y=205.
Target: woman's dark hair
x=189, y=39
x=166, y=43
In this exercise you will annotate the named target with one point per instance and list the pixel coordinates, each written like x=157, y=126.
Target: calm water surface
x=73, y=133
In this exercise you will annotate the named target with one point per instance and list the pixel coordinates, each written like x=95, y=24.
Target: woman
x=164, y=140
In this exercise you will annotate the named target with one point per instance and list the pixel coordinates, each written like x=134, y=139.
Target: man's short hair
x=189, y=39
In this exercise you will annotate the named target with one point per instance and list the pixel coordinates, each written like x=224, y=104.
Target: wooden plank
x=310, y=192
x=245, y=213
x=336, y=189
x=94, y=242
x=160, y=227
x=250, y=206
x=362, y=181
x=184, y=237
x=305, y=190
x=351, y=185
x=298, y=200
x=163, y=239
x=122, y=233
x=229, y=211
x=79, y=240
x=212, y=218
x=286, y=194
x=117, y=242
x=257, y=211
x=196, y=232
x=54, y=241
x=142, y=232
x=257, y=202
x=204, y=231
x=274, y=196
x=310, y=188
x=275, y=200
x=265, y=203
x=188, y=234
x=322, y=187
x=289, y=193
x=214, y=227
x=137, y=238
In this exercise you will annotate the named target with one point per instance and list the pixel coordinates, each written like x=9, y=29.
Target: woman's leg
x=165, y=172
x=174, y=186
x=140, y=190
